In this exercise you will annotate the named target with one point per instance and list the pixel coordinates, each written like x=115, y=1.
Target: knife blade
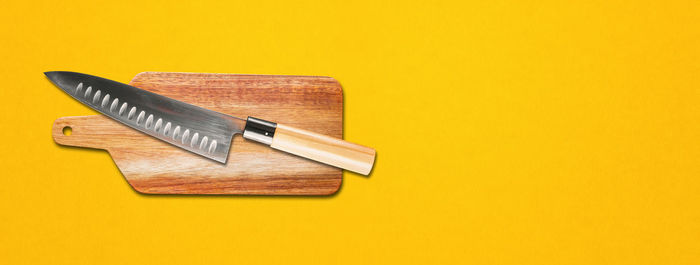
x=201, y=131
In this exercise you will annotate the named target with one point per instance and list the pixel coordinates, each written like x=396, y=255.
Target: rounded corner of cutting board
x=137, y=76
x=335, y=85
x=334, y=190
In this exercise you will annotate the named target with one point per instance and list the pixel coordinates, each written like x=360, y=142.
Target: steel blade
x=195, y=129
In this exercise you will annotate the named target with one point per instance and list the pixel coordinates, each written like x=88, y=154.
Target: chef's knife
x=202, y=131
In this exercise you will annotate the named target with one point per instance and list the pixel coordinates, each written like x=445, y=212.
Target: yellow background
x=508, y=132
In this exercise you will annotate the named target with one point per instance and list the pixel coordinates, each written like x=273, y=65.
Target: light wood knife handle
x=314, y=146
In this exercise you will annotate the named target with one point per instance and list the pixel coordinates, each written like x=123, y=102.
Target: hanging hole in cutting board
x=67, y=131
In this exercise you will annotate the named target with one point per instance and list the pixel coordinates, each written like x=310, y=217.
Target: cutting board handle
x=80, y=131
x=314, y=146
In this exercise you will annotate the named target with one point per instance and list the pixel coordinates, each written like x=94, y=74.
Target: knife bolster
x=259, y=130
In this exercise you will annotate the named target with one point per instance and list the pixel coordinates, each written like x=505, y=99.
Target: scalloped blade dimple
x=195, y=129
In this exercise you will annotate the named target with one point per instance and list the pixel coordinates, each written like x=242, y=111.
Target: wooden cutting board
x=152, y=166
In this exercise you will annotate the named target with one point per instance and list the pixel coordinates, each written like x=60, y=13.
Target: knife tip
x=53, y=75
x=50, y=74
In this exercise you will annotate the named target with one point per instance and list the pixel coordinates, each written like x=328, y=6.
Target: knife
x=205, y=132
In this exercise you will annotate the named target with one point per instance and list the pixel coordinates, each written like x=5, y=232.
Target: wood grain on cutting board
x=152, y=166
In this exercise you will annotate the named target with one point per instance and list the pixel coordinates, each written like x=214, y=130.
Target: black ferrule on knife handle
x=259, y=130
